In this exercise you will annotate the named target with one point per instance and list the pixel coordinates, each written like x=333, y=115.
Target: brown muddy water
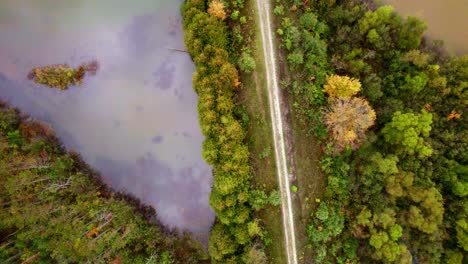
x=447, y=20
x=136, y=120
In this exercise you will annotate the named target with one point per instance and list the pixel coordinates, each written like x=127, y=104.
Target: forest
x=388, y=105
x=55, y=209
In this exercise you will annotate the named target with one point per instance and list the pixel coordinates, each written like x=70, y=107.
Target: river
x=135, y=121
x=446, y=20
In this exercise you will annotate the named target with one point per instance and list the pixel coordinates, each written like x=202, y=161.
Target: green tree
x=411, y=33
x=373, y=19
x=428, y=215
x=416, y=57
x=296, y=59
x=415, y=84
x=221, y=243
x=309, y=21
x=378, y=239
x=462, y=233
x=407, y=131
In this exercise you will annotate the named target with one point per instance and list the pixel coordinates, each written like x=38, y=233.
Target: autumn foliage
x=341, y=86
x=453, y=115
x=216, y=9
x=347, y=121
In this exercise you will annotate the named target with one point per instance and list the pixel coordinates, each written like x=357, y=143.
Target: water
x=136, y=120
x=446, y=19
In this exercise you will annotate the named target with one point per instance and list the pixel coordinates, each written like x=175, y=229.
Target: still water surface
x=136, y=120
x=447, y=20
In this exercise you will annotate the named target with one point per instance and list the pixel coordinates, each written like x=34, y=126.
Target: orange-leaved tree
x=216, y=9
x=347, y=120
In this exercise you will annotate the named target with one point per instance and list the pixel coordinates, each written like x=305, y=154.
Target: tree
x=397, y=185
x=216, y=9
x=347, y=120
x=378, y=239
x=373, y=19
x=462, y=233
x=309, y=21
x=255, y=255
x=428, y=215
x=416, y=57
x=201, y=30
x=407, y=131
x=372, y=88
x=415, y=84
x=221, y=242
x=296, y=58
x=411, y=33
x=384, y=235
x=341, y=86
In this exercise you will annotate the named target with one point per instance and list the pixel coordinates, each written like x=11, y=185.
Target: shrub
x=296, y=58
x=308, y=21
x=279, y=10
x=235, y=15
x=246, y=63
x=243, y=20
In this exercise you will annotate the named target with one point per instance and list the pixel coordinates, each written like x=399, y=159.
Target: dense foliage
x=54, y=209
x=402, y=197
x=62, y=76
x=215, y=81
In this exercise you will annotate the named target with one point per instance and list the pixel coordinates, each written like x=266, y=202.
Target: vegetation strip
x=215, y=80
x=277, y=126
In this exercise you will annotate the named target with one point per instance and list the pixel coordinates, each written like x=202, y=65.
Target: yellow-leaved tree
x=347, y=120
x=216, y=9
x=341, y=86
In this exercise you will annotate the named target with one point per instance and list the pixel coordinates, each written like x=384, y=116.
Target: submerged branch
x=179, y=50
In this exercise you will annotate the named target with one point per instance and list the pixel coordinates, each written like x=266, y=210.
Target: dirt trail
x=264, y=11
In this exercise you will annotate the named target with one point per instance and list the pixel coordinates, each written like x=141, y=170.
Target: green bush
x=235, y=15
x=279, y=10
x=246, y=63
x=243, y=20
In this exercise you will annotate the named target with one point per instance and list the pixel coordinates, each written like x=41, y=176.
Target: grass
x=254, y=96
x=308, y=178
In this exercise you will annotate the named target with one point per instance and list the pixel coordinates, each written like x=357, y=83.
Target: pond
x=446, y=20
x=136, y=120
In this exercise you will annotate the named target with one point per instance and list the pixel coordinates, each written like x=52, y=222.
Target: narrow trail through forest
x=264, y=11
